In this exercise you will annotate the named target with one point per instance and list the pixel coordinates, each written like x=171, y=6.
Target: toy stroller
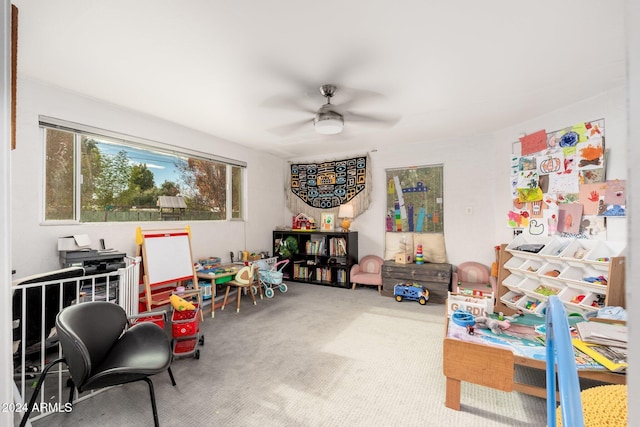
x=271, y=276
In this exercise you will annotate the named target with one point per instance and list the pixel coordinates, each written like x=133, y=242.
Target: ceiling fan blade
x=356, y=97
x=369, y=119
x=288, y=129
x=286, y=103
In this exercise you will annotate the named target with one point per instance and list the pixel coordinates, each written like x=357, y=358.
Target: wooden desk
x=495, y=367
x=231, y=271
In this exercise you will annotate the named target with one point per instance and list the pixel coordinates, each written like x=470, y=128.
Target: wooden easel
x=167, y=261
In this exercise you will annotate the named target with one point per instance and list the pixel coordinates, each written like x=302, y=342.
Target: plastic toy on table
x=271, y=276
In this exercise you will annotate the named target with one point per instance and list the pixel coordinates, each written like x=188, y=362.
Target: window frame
x=79, y=130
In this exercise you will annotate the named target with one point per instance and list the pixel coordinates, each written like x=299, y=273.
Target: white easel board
x=166, y=259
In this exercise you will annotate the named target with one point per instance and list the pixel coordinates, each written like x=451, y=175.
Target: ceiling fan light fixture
x=328, y=123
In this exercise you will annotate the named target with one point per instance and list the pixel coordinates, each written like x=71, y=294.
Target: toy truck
x=411, y=291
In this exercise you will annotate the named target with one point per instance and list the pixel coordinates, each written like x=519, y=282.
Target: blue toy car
x=412, y=291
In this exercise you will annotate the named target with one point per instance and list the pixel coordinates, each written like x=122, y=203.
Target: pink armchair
x=473, y=276
x=367, y=272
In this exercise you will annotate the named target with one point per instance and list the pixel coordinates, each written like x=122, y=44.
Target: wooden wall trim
x=14, y=71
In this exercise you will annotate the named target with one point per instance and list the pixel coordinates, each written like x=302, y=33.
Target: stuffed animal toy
x=495, y=325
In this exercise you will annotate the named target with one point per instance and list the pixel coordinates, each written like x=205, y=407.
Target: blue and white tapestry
x=327, y=185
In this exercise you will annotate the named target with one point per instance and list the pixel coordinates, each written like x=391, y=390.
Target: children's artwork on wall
x=420, y=220
x=530, y=194
x=563, y=183
x=534, y=142
x=569, y=217
x=415, y=198
x=518, y=205
x=528, y=179
x=537, y=227
x=514, y=172
x=590, y=154
x=569, y=161
x=558, y=187
x=527, y=163
x=594, y=227
x=528, y=190
x=536, y=208
x=552, y=222
x=615, y=198
x=410, y=216
x=518, y=219
x=590, y=196
x=550, y=163
x=589, y=176
x=398, y=217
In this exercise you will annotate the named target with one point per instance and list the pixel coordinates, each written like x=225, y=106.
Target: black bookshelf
x=322, y=258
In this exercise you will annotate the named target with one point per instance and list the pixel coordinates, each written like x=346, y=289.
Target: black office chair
x=98, y=353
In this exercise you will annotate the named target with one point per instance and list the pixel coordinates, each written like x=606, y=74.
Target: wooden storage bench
x=436, y=277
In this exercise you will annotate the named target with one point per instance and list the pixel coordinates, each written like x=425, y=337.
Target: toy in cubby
x=419, y=255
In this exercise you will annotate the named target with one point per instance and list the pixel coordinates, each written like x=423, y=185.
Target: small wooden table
x=230, y=271
x=494, y=367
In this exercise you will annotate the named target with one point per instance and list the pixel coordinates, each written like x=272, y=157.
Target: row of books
x=314, y=247
x=302, y=272
x=323, y=274
x=341, y=276
x=337, y=246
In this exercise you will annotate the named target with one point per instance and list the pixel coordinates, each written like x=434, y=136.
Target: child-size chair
x=367, y=272
x=246, y=279
x=472, y=276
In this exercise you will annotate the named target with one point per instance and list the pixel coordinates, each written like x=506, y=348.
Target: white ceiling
x=446, y=69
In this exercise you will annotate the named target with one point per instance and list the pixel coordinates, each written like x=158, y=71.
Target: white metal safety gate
x=35, y=343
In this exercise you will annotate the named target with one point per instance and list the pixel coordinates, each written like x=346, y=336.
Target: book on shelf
x=612, y=334
x=315, y=246
x=612, y=358
x=323, y=274
x=338, y=246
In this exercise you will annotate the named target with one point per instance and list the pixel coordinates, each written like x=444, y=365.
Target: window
x=92, y=177
x=415, y=199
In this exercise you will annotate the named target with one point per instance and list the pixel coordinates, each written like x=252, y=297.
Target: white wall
x=34, y=245
x=633, y=273
x=476, y=175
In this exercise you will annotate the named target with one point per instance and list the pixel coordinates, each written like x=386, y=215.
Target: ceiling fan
x=327, y=120
x=330, y=118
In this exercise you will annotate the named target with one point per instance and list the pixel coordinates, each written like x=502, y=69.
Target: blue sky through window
x=162, y=165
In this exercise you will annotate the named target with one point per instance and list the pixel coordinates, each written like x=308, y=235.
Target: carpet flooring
x=313, y=356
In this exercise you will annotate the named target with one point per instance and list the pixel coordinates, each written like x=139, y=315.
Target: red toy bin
x=185, y=346
x=158, y=317
x=185, y=323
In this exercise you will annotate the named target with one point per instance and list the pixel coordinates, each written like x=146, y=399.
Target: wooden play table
x=230, y=271
x=494, y=367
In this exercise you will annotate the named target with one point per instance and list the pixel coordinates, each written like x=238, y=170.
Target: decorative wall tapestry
x=316, y=188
